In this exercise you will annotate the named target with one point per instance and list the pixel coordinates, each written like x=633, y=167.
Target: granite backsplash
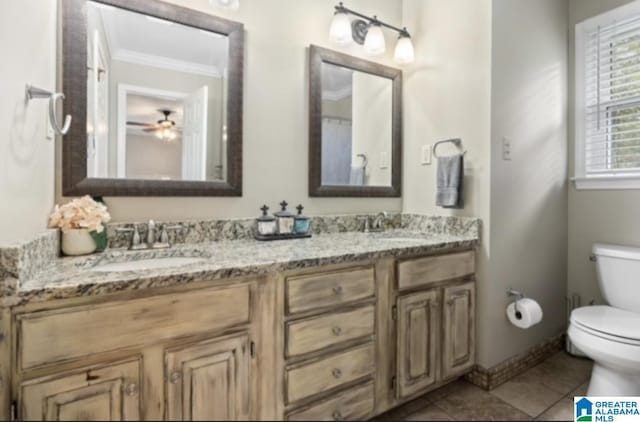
x=22, y=260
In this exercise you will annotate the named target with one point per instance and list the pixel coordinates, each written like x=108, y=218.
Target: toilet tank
x=618, y=270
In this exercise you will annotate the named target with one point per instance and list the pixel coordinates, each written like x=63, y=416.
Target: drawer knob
x=337, y=373
x=337, y=416
x=132, y=389
x=337, y=290
x=337, y=330
x=175, y=377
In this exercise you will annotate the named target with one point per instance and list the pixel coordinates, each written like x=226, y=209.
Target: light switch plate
x=425, y=155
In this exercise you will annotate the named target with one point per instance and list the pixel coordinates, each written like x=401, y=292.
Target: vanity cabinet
x=180, y=354
x=346, y=341
x=435, y=321
x=109, y=392
x=458, y=342
x=209, y=380
x=418, y=323
x=329, y=344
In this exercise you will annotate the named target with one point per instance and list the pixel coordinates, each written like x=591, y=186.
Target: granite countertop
x=73, y=277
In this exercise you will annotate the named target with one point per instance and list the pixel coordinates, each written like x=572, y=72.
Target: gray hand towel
x=450, y=176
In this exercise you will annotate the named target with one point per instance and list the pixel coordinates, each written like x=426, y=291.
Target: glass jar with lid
x=284, y=219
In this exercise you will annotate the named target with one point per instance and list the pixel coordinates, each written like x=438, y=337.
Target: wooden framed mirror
x=155, y=91
x=355, y=126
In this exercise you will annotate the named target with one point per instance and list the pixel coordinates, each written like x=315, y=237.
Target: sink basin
x=145, y=264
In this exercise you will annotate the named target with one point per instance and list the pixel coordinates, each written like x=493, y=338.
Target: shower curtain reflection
x=336, y=151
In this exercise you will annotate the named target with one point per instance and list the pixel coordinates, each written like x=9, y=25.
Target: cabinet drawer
x=329, y=289
x=330, y=372
x=327, y=330
x=355, y=404
x=52, y=336
x=418, y=272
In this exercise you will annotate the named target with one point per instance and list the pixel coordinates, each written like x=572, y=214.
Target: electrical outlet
x=506, y=148
x=384, y=160
x=425, y=155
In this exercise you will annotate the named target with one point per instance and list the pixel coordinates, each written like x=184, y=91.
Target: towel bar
x=456, y=141
x=32, y=92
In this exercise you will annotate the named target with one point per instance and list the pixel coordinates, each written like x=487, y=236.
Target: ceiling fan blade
x=140, y=124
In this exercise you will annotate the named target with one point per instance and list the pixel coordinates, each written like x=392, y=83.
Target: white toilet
x=610, y=335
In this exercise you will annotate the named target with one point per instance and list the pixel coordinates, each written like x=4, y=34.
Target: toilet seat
x=608, y=323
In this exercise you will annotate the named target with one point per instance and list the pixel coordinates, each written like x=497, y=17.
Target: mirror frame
x=317, y=56
x=74, y=144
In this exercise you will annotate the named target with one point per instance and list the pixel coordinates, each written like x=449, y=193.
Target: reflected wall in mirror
x=355, y=138
x=163, y=99
x=354, y=151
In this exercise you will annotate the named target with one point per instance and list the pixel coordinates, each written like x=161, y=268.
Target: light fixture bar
x=340, y=8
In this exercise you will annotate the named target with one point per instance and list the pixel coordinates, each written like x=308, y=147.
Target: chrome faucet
x=151, y=234
x=153, y=240
x=379, y=222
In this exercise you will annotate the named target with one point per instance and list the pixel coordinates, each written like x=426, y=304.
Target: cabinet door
x=458, y=351
x=109, y=393
x=417, y=342
x=209, y=380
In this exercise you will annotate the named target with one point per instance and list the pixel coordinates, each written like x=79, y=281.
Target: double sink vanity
x=216, y=325
x=345, y=325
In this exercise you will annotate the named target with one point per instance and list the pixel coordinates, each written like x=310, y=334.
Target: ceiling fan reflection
x=164, y=129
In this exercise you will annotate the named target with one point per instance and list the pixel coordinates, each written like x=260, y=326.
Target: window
x=608, y=100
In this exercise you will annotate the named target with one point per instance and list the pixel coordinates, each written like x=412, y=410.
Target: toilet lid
x=607, y=320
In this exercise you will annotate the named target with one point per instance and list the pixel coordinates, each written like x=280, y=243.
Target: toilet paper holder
x=518, y=295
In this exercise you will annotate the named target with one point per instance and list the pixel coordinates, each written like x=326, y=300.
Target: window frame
x=581, y=179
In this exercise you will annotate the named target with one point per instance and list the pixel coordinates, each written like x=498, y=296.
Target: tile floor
x=544, y=392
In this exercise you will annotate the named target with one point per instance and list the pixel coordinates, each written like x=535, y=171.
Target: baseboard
x=490, y=378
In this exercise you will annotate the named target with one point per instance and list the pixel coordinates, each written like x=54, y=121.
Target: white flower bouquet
x=82, y=223
x=81, y=213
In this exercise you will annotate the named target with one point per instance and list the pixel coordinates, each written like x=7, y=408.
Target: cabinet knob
x=337, y=290
x=337, y=416
x=336, y=373
x=337, y=330
x=131, y=389
x=175, y=377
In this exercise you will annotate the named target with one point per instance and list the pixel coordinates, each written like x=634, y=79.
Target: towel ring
x=32, y=92
x=456, y=141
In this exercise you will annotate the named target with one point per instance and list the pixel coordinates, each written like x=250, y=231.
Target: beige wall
x=528, y=193
x=609, y=216
x=447, y=94
x=485, y=70
x=150, y=158
x=28, y=46
x=278, y=33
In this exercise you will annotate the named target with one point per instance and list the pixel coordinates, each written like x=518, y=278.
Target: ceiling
x=337, y=82
x=147, y=40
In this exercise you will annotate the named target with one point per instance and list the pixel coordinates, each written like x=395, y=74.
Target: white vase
x=78, y=242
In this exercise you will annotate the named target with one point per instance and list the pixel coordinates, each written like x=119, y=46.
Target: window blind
x=612, y=99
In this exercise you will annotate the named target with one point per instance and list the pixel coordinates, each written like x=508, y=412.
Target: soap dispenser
x=266, y=223
x=285, y=219
x=301, y=221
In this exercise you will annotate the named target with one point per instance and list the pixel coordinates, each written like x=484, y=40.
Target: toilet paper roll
x=529, y=313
